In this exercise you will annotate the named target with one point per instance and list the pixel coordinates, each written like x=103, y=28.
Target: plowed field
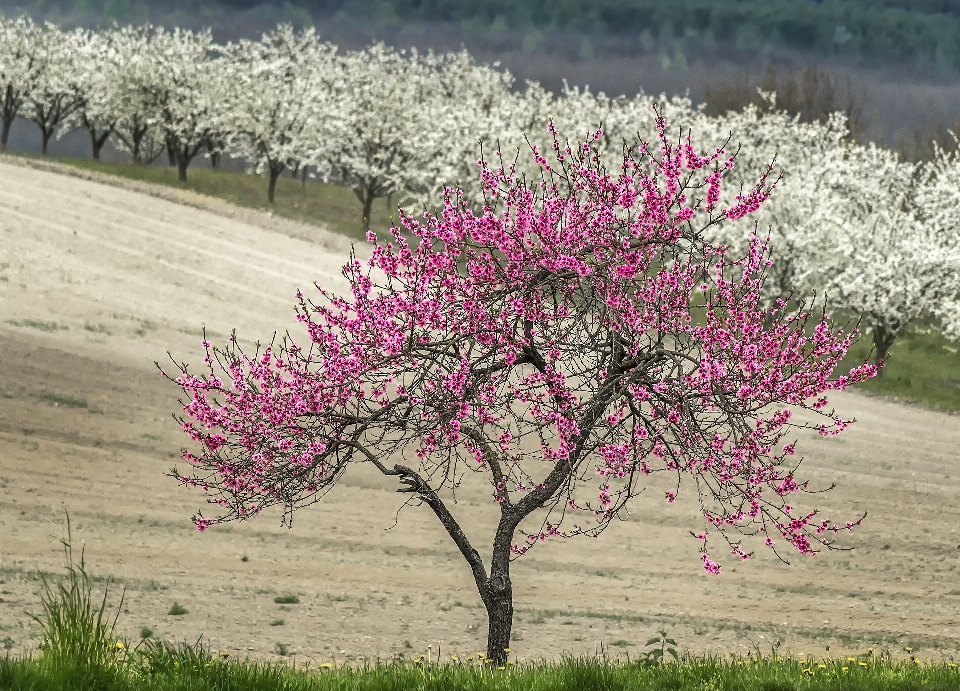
x=97, y=281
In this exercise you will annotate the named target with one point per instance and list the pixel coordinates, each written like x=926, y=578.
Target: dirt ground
x=99, y=281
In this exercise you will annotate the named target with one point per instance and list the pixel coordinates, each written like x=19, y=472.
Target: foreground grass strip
x=165, y=668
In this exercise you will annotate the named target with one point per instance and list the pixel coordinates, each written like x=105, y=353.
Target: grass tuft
x=287, y=600
x=38, y=324
x=177, y=610
x=79, y=644
x=97, y=328
x=60, y=399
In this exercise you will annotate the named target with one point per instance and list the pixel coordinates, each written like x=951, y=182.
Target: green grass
x=923, y=367
x=157, y=666
x=287, y=600
x=177, y=610
x=37, y=324
x=66, y=401
x=333, y=206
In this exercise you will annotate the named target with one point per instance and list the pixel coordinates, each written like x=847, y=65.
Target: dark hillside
x=899, y=59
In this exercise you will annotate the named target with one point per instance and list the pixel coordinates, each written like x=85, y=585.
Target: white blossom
x=22, y=64
x=279, y=108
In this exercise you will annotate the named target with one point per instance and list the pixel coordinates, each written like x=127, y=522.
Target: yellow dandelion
x=501, y=667
x=224, y=654
x=862, y=663
x=909, y=649
x=807, y=670
x=511, y=662
x=845, y=668
x=326, y=665
x=916, y=661
x=119, y=645
x=506, y=650
x=455, y=658
x=851, y=659
x=952, y=665
x=822, y=666
x=870, y=651
x=470, y=659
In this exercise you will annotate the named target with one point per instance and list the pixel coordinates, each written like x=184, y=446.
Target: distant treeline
x=925, y=32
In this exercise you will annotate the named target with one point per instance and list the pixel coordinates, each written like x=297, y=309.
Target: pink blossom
x=581, y=323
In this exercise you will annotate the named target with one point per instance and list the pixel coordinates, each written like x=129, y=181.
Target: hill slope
x=98, y=281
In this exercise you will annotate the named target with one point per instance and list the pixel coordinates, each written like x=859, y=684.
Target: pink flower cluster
x=579, y=326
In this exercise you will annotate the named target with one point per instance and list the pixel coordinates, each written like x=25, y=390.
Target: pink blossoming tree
x=573, y=337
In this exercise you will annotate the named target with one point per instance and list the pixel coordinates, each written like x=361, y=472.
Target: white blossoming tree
x=280, y=101
x=59, y=90
x=191, y=99
x=814, y=158
x=22, y=63
x=95, y=114
x=135, y=91
x=388, y=128
x=892, y=266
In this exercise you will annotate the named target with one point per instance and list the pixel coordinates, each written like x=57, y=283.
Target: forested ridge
x=925, y=32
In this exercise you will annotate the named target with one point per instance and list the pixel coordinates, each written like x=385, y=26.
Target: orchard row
x=852, y=224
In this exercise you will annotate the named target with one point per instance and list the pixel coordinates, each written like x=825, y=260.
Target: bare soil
x=98, y=281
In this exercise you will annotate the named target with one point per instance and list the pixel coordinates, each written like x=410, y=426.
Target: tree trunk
x=367, y=208
x=499, y=603
x=9, y=114
x=495, y=590
x=98, y=142
x=182, y=164
x=137, y=140
x=5, y=134
x=215, y=160
x=171, y=154
x=303, y=177
x=882, y=341
x=274, y=174
x=46, y=141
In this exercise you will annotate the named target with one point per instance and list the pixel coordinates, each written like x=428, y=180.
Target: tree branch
x=417, y=485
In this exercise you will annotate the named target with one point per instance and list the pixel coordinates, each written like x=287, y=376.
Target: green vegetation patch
x=62, y=400
x=177, y=610
x=38, y=324
x=161, y=667
x=922, y=366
